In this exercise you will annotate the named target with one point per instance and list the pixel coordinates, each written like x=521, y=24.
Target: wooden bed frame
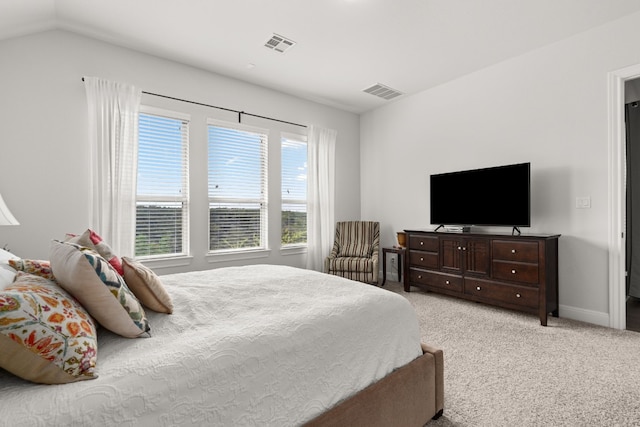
x=409, y=396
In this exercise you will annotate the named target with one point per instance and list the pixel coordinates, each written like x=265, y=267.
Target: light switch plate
x=583, y=202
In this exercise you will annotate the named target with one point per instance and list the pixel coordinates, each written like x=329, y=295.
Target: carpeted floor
x=503, y=369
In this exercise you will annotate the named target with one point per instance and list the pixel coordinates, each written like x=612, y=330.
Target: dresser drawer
x=511, y=294
x=519, y=251
x=515, y=272
x=423, y=243
x=423, y=259
x=443, y=281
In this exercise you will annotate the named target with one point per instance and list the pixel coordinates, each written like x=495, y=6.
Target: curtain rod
x=240, y=113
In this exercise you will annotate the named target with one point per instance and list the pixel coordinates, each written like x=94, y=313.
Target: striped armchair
x=355, y=251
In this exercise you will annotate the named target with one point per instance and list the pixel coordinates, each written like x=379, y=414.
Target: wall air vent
x=382, y=91
x=279, y=43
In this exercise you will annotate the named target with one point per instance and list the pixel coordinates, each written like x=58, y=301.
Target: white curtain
x=113, y=133
x=321, y=145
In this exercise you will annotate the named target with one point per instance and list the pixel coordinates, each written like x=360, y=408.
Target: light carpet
x=502, y=368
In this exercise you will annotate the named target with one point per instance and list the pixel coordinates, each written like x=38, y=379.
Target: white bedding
x=257, y=345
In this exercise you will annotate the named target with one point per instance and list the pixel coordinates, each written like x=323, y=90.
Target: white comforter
x=256, y=345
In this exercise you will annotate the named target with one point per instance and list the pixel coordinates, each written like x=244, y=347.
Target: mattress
x=255, y=345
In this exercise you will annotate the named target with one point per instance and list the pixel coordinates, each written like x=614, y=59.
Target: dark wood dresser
x=515, y=272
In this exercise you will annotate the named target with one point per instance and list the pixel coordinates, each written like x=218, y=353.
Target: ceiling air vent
x=382, y=91
x=279, y=43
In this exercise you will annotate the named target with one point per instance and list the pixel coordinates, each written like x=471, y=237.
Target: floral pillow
x=100, y=289
x=40, y=268
x=92, y=240
x=46, y=336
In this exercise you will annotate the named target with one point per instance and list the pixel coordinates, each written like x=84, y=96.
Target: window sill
x=293, y=250
x=178, y=261
x=214, y=257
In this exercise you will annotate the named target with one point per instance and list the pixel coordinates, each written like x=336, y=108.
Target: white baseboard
x=566, y=311
x=391, y=276
x=583, y=315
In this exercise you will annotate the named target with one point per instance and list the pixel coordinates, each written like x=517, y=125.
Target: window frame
x=300, y=138
x=261, y=251
x=184, y=257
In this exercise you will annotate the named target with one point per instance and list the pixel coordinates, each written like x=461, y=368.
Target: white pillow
x=7, y=273
x=6, y=255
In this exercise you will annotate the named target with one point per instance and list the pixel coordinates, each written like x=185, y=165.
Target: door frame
x=617, y=196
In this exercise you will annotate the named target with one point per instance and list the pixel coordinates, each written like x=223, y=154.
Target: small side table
x=395, y=250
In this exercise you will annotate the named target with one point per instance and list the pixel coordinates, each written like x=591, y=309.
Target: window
x=237, y=187
x=162, y=199
x=294, y=190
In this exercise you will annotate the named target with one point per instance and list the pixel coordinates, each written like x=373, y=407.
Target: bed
x=253, y=345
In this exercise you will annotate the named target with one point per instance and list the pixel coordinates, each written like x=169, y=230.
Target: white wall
x=547, y=107
x=43, y=120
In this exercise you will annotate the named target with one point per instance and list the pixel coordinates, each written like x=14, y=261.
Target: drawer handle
x=421, y=259
x=446, y=282
x=518, y=295
x=513, y=251
x=478, y=288
x=459, y=248
x=421, y=243
x=513, y=272
x=419, y=276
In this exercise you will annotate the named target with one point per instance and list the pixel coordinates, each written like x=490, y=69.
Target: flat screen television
x=494, y=196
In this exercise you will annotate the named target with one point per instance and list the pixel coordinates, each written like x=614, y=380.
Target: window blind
x=162, y=200
x=294, y=190
x=237, y=186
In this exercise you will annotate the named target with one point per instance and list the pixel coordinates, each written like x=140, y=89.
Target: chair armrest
x=334, y=250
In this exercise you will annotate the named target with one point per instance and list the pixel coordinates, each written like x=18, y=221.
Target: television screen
x=496, y=196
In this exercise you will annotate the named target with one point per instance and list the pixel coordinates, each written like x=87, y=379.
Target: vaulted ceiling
x=341, y=46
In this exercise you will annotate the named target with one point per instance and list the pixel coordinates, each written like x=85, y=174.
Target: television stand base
x=458, y=229
x=513, y=272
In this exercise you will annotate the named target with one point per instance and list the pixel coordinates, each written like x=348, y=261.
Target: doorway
x=632, y=211
x=617, y=194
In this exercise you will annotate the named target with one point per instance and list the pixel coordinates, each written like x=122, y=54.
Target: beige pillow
x=100, y=289
x=146, y=286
